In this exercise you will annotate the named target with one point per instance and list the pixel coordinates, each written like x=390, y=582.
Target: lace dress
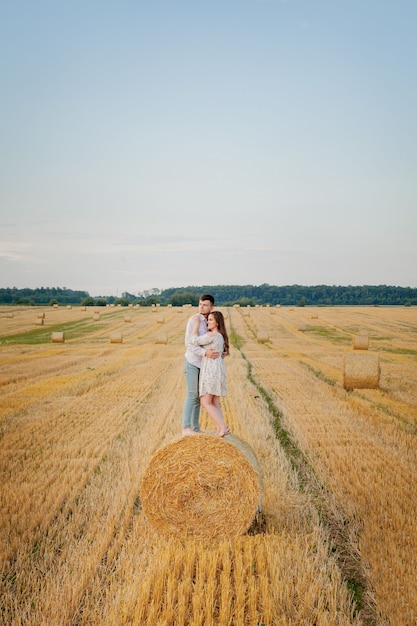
x=213, y=371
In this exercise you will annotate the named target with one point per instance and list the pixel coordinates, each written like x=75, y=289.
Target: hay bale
x=41, y=316
x=69, y=306
x=302, y=326
x=96, y=317
x=360, y=342
x=128, y=318
x=161, y=320
x=262, y=336
x=10, y=315
x=57, y=337
x=202, y=486
x=314, y=316
x=361, y=371
x=116, y=337
x=161, y=339
x=83, y=308
x=39, y=321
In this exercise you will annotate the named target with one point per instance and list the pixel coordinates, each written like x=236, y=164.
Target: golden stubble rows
x=361, y=444
x=81, y=421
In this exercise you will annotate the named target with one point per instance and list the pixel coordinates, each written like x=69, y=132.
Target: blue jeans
x=191, y=411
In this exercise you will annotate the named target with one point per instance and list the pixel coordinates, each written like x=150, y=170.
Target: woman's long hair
x=218, y=316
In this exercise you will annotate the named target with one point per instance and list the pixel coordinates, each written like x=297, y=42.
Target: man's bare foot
x=188, y=431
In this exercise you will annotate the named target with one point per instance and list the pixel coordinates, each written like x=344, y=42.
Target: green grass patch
x=329, y=333
x=43, y=335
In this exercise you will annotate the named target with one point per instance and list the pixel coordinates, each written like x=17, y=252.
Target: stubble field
x=336, y=541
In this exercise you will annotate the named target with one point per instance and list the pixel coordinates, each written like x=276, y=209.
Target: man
x=193, y=357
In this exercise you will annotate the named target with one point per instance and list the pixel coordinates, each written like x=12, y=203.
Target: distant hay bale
x=116, y=337
x=161, y=320
x=128, y=318
x=39, y=321
x=202, y=486
x=83, y=308
x=360, y=342
x=96, y=317
x=69, y=306
x=277, y=306
x=179, y=310
x=58, y=337
x=169, y=306
x=272, y=311
x=302, y=326
x=154, y=309
x=162, y=339
x=10, y=315
x=41, y=316
x=56, y=306
x=314, y=316
x=262, y=336
x=361, y=371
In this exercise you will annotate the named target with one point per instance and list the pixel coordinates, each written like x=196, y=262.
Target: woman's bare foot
x=223, y=432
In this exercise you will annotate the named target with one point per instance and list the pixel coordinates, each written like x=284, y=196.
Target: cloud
x=13, y=251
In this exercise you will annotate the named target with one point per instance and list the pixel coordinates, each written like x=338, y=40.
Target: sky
x=155, y=144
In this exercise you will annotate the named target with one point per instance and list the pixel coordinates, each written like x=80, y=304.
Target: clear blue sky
x=169, y=143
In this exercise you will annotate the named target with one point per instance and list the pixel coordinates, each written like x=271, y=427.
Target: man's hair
x=207, y=296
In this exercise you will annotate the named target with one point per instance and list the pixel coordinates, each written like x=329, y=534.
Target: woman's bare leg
x=212, y=406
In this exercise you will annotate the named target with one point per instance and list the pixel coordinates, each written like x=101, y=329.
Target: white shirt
x=194, y=354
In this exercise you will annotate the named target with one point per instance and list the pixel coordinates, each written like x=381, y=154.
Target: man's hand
x=211, y=353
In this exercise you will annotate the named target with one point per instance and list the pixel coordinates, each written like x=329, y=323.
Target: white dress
x=213, y=371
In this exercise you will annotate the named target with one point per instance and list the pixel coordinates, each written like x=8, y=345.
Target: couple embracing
x=206, y=344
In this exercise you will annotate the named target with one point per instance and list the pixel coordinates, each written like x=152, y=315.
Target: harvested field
x=80, y=421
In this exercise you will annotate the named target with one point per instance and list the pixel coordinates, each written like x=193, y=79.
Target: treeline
x=297, y=295
x=225, y=295
x=41, y=295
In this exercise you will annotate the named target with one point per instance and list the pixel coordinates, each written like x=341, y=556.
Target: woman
x=212, y=384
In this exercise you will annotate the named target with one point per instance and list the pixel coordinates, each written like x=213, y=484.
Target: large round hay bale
x=262, y=336
x=161, y=339
x=202, y=486
x=116, y=337
x=361, y=371
x=360, y=342
x=57, y=337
